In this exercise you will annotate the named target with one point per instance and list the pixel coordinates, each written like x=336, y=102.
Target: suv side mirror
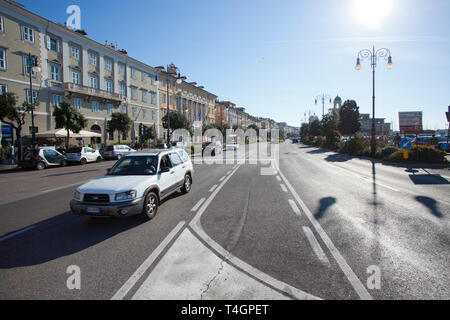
x=164, y=169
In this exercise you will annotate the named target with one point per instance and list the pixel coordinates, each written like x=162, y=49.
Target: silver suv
x=135, y=185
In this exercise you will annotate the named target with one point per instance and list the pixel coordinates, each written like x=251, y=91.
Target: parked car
x=43, y=158
x=212, y=148
x=232, y=146
x=136, y=184
x=83, y=155
x=116, y=152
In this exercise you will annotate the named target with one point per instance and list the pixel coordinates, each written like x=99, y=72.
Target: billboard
x=410, y=122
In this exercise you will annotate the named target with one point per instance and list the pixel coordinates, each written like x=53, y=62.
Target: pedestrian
x=10, y=153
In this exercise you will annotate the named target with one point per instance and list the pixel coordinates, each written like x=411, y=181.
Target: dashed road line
x=316, y=246
x=213, y=188
x=294, y=207
x=346, y=269
x=261, y=276
x=129, y=284
x=283, y=187
x=278, y=178
x=221, y=179
x=199, y=203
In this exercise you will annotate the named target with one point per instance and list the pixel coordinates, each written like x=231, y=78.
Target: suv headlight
x=77, y=195
x=129, y=195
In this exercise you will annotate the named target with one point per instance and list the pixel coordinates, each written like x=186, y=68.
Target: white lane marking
x=122, y=292
x=199, y=203
x=189, y=271
x=213, y=188
x=315, y=245
x=221, y=179
x=294, y=207
x=196, y=226
x=379, y=184
x=64, y=187
x=17, y=233
x=351, y=276
x=278, y=178
x=229, y=172
x=284, y=188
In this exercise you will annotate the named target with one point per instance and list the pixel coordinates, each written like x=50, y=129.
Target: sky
x=274, y=57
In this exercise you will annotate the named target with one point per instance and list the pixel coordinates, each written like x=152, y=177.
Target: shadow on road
x=338, y=157
x=325, y=203
x=431, y=204
x=60, y=236
x=428, y=179
x=318, y=151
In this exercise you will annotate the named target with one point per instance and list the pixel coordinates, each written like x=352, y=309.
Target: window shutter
x=58, y=46
x=48, y=42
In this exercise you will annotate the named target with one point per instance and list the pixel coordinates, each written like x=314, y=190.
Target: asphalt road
x=318, y=226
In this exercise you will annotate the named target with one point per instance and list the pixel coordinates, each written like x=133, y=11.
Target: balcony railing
x=92, y=92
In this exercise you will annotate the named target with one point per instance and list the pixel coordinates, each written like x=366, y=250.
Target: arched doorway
x=96, y=128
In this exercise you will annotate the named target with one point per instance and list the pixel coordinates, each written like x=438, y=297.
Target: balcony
x=71, y=88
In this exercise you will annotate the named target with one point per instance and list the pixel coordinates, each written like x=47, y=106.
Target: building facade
x=193, y=101
x=97, y=79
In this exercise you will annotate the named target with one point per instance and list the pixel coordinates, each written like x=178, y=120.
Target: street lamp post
x=323, y=97
x=32, y=67
x=179, y=80
x=373, y=56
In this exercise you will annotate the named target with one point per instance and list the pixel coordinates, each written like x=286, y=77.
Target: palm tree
x=67, y=117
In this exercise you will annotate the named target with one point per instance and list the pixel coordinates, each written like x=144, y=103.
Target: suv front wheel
x=187, y=184
x=150, y=206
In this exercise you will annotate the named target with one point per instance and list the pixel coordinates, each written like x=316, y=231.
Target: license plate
x=93, y=210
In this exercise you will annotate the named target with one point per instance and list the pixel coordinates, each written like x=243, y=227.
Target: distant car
x=212, y=148
x=43, y=158
x=136, y=184
x=116, y=152
x=232, y=146
x=83, y=155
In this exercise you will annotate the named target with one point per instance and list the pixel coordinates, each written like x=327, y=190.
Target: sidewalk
x=7, y=167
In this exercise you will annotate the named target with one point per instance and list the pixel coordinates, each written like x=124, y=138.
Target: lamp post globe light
x=323, y=97
x=373, y=56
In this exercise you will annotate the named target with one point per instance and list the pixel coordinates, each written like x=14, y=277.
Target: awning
x=62, y=133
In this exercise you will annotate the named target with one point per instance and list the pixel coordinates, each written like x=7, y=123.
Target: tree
x=119, y=122
x=177, y=121
x=304, y=130
x=67, y=117
x=14, y=116
x=330, y=121
x=148, y=133
x=314, y=128
x=349, y=118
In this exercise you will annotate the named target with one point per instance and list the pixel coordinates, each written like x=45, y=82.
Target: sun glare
x=372, y=12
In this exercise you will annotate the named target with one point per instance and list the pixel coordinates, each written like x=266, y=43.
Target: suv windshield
x=135, y=166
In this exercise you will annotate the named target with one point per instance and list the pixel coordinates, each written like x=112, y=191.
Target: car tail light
x=36, y=157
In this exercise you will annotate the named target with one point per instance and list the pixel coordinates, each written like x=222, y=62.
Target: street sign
x=410, y=122
x=406, y=144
